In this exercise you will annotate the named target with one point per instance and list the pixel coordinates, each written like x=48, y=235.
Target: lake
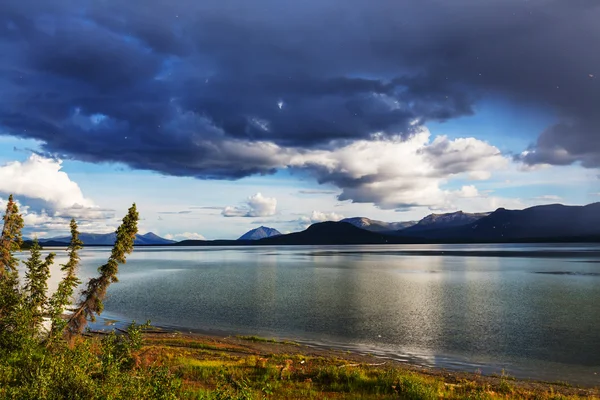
x=531, y=310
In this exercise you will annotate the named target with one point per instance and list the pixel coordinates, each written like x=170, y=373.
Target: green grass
x=259, y=339
x=228, y=374
x=166, y=367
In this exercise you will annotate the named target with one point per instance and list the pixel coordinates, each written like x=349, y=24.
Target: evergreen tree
x=11, y=319
x=11, y=239
x=94, y=294
x=64, y=293
x=36, y=283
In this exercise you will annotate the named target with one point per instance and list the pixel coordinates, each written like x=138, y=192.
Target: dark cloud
x=566, y=143
x=214, y=89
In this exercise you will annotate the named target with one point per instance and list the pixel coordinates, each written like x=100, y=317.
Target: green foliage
x=94, y=294
x=252, y=371
x=11, y=240
x=88, y=369
x=36, y=283
x=64, y=293
x=35, y=364
x=257, y=339
x=12, y=321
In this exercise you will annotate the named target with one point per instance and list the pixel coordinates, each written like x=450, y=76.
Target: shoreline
x=484, y=374
x=257, y=348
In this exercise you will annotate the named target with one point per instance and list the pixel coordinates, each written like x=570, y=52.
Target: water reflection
x=449, y=306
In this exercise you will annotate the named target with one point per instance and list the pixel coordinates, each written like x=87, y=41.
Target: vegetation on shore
x=45, y=352
x=257, y=368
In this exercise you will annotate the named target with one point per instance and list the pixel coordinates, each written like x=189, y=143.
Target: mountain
x=536, y=223
x=378, y=226
x=555, y=223
x=548, y=223
x=107, y=239
x=260, y=233
x=442, y=221
x=151, y=238
x=327, y=233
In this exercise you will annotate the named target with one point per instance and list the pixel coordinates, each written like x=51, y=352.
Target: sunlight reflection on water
x=530, y=309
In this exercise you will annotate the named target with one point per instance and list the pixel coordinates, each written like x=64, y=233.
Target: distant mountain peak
x=446, y=220
x=377, y=226
x=260, y=233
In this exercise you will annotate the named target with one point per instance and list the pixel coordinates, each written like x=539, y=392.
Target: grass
x=239, y=370
x=265, y=340
x=173, y=366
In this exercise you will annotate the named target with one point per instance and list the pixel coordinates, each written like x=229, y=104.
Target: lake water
x=532, y=310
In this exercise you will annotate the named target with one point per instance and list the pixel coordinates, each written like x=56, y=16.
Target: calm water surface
x=533, y=310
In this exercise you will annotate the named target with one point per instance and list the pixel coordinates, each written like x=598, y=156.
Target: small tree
x=32, y=367
x=10, y=297
x=93, y=295
x=11, y=239
x=23, y=309
x=36, y=283
x=66, y=288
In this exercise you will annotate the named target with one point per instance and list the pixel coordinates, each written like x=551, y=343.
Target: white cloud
x=78, y=212
x=57, y=198
x=255, y=206
x=400, y=173
x=390, y=172
x=468, y=192
x=548, y=197
x=185, y=236
x=42, y=178
x=463, y=155
x=318, y=216
x=44, y=224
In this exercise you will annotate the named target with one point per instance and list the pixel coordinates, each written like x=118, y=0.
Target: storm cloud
x=227, y=89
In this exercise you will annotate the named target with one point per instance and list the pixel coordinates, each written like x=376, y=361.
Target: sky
x=216, y=117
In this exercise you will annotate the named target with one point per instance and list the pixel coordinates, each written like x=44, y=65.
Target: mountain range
x=553, y=223
x=378, y=226
x=443, y=221
x=536, y=223
x=106, y=239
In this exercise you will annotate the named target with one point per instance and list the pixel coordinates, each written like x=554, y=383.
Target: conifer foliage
x=31, y=301
x=11, y=240
x=10, y=299
x=66, y=288
x=36, y=283
x=42, y=354
x=92, y=305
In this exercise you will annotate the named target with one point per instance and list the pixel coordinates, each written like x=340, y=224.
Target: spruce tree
x=61, y=299
x=11, y=240
x=36, y=283
x=93, y=295
x=11, y=319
